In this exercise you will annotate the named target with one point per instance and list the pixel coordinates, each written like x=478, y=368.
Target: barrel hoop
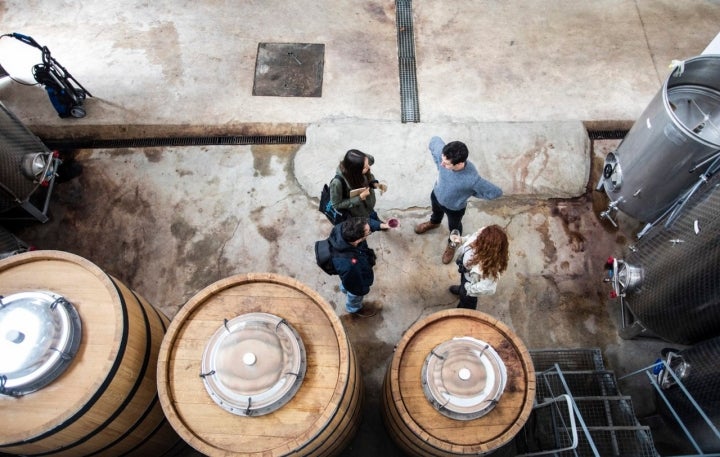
x=161, y=317
x=358, y=396
x=131, y=392
x=311, y=441
x=151, y=406
x=180, y=444
x=101, y=390
x=179, y=449
x=405, y=437
x=402, y=436
x=131, y=429
x=157, y=428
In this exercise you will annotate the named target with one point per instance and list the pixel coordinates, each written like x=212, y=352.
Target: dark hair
x=456, y=152
x=490, y=250
x=352, y=166
x=353, y=229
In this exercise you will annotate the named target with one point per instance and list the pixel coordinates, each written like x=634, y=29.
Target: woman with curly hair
x=353, y=172
x=483, y=257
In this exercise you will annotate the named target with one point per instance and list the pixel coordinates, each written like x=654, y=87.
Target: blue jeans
x=354, y=302
x=374, y=221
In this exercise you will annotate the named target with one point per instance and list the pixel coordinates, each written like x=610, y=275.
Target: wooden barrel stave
x=342, y=428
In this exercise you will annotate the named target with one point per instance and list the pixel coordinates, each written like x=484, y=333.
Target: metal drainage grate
x=607, y=134
x=177, y=141
x=406, y=61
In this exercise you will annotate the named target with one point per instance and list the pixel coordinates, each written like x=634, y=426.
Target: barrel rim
x=416, y=429
x=195, y=302
x=93, y=392
x=93, y=428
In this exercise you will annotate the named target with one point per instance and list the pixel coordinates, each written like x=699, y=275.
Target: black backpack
x=324, y=254
x=325, y=207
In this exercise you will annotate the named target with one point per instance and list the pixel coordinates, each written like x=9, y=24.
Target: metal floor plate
x=289, y=70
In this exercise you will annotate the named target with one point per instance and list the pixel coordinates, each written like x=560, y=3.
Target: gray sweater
x=454, y=188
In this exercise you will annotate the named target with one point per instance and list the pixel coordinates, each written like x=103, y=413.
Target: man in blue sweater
x=354, y=260
x=457, y=181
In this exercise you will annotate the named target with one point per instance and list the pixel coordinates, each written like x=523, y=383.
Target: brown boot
x=425, y=226
x=449, y=253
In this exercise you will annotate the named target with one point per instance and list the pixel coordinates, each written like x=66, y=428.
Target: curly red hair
x=490, y=250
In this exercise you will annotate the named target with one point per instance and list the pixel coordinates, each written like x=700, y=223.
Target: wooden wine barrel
x=460, y=383
x=105, y=400
x=237, y=327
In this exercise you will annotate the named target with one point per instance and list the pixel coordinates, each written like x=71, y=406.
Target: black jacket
x=355, y=266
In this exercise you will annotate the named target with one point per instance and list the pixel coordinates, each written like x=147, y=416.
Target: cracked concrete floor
x=170, y=221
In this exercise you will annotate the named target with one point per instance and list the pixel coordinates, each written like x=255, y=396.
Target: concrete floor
x=519, y=82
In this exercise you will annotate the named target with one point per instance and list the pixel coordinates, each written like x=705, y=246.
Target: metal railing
x=650, y=372
x=573, y=428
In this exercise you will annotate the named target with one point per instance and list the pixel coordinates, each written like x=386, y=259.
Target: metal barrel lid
x=463, y=378
x=40, y=334
x=253, y=364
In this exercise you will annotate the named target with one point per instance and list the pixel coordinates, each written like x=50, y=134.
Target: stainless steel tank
x=669, y=283
x=670, y=145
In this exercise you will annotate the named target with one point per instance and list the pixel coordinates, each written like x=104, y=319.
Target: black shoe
x=455, y=290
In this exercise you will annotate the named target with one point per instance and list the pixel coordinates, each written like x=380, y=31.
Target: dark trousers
x=466, y=301
x=454, y=216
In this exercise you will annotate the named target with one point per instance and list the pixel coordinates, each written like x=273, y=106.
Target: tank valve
x=607, y=214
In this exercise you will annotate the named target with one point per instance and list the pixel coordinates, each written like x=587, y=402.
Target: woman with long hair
x=483, y=257
x=353, y=173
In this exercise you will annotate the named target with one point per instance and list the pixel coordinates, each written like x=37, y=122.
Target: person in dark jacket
x=354, y=261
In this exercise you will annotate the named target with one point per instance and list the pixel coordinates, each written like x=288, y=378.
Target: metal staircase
x=598, y=420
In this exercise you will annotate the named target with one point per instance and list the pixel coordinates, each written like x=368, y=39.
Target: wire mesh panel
x=627, y=442
x=24, y=161
x=567, y=359
x=581, y=384
x=606, y=411
x=614, y=442
x=600, y=423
